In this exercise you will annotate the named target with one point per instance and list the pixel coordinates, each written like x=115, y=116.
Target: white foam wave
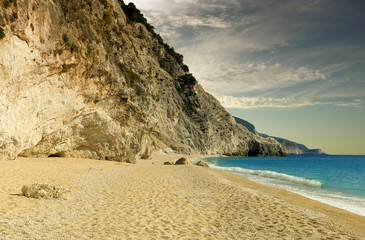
x=349, y=203
x=271, y=174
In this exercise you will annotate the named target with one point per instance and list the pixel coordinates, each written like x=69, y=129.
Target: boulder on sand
x=168, y=163
x=182, y=161
x=46, y=191
x=202, y=163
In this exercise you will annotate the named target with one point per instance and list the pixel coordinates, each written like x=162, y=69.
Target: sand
x=150, y=200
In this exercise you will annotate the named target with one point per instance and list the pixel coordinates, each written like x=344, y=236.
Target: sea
x=337, y=180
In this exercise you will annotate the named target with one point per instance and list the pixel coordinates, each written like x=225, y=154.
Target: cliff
x=250, y=127
x=80, y=79
x=290, y=147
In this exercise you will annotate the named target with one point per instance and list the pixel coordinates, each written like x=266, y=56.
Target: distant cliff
x=91, y=78
x=290, y=147
x=250, y=127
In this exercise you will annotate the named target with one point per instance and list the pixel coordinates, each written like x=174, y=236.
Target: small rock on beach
x=202, y=163
x=183, y=161
x=46, y=191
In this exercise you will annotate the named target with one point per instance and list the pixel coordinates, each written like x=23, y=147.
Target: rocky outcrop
x=250, y=127
x=315, y=151
x=290, y=147
x=79, y=79
x=202, y=163
x=295, y=148
x=183, y=161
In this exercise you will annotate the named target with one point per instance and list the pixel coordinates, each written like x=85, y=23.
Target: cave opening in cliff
x=57, y=155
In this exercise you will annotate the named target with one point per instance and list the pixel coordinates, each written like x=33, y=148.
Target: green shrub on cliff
x=65, y=37
x=2, y=34
x=188, y=79
x=108, y=17
x=185, y=68
x=6, y=4
x=104, y=2
x=131, y=77
x=134, y=15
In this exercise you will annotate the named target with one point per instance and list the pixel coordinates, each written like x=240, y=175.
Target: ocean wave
x=271, y=174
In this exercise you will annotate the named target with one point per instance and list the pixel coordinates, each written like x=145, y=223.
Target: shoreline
x=334, y=197
x=341, y=215
x=301, y=194
x=132, y=201
x=344, y=216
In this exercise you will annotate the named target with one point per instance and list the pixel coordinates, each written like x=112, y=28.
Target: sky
x=293, y=68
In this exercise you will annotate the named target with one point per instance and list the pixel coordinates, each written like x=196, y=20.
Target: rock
x=168, y=163
x=46, y=191
x=183, y=161
x=92, y=169
x=67, y=89
x=202, y=163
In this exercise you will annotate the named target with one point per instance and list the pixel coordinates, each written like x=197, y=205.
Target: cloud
x=261, y=102
x=297, y=53
x=230, y=78
x=172, y=22
x=173, y=6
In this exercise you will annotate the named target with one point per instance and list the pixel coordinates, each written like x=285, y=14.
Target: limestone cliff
x=80, y=79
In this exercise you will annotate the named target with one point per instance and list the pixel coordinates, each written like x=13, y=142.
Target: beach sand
x=149, y=200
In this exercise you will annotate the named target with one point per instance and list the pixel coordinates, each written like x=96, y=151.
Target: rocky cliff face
x=79, y=79
x=289, y=147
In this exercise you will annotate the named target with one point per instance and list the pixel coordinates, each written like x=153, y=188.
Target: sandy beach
x=149, y=200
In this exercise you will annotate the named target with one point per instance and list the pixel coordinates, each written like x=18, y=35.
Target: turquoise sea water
x=338, y=180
